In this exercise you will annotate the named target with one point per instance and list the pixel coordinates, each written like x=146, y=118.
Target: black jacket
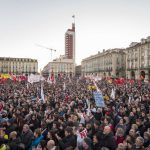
x=26, y=138
x=15, y=144
x=69, y=141
x=97, y=115
x=108, y=141
x=97, y=146
x=35, y=124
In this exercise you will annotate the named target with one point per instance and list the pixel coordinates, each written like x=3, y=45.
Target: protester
x=15, y=142
x=87, y=144
x=108, y=139
x=27, y=136
x=51, y=145
x=37, y=139
x=68, y=117
x=97, y=141
x=68, y=141
x=139, y=143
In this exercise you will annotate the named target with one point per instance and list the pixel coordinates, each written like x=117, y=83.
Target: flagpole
x=73, y=16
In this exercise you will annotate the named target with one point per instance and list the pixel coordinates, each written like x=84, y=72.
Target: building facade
x=18, y=65
x=65, y=64
x=70, y=43
x=107, y=63
x=59, y=66
x=78, y=71
x=138, y=60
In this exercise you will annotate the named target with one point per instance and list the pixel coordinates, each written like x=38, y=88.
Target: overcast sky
x=100, y=24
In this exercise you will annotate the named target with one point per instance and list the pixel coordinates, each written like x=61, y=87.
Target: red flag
x=83, y=134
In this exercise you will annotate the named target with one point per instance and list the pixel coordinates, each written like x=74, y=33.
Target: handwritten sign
x=99, y=99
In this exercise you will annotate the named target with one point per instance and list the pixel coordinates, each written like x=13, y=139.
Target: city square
x=93, y=94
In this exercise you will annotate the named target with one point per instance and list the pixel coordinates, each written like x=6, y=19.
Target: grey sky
x=100, y=24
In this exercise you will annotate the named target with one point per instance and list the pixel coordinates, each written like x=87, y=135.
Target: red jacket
x=119, y=139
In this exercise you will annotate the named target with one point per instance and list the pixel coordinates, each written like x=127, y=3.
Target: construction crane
x=52, y=50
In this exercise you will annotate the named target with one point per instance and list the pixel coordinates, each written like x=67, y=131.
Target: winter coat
x=96, y=146
x=69, y=141
x=26, y=138
x=15, y=144
x=108, y=141
x=36, y=141
x=119, y=139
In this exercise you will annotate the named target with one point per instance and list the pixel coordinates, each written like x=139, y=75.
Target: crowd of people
x=68, y=118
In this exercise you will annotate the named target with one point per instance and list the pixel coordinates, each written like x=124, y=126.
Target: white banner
x=35, y=78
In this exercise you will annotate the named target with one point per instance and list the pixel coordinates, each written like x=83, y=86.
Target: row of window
x=14, y=60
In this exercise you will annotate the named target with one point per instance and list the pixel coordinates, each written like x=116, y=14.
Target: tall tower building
x=64, y=64
x=70, y=43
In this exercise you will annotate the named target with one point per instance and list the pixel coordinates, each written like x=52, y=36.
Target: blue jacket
x=36, y=141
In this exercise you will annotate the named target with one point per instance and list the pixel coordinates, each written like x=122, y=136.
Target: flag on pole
x=69, y=79
x=52, y=77
x=88, y=109
x=77, y=81
x=96, y=86
x=42, y=93
x=54, y=80
x=112, y=93
x=73, y=16
x=27, y=85
x=129, y=100
x=49, y=78
x=64, y=86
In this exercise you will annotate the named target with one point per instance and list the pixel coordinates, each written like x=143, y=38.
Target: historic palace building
x=132, y=62
x=138, y=60
x=18, y=65
x=107, y=63
x=78, y=71
x=59, y=66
